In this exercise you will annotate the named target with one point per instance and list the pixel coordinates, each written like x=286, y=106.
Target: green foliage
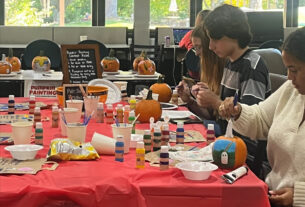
x=125, y=8
x=22, y=13
x=76, y=10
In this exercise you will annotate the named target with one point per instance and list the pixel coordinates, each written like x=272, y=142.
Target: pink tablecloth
x=105, y=182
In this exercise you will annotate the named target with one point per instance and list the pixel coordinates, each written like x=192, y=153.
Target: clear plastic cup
x=72, y=115
x=75, y=104
x=125, y=131
x=91, y=103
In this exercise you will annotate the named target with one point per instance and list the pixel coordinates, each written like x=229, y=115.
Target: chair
x=103, y=49
x=277, y=44
x=192, y=63
x=273, y=60
x=51, y=50
x=276, y=81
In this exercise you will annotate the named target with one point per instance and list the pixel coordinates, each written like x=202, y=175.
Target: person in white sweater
x=280, y=118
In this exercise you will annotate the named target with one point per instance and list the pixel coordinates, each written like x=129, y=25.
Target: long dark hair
x=295, y=44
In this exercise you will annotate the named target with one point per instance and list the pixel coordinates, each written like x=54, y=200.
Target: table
x=105, y=182
x=39, y=84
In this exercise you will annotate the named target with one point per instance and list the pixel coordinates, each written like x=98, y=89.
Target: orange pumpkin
x=148, y=108
x=163, y=89
x=229, y=153
x=137, y=60
x=5, y=67
x=14, y=61
x=110, y=63
x=146, y=67
x=41, y=63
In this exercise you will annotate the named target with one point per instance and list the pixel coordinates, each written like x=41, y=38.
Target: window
x=301, y=13
x=119, y=13
x=170, y=13
x=48, y=13
x=246, y=4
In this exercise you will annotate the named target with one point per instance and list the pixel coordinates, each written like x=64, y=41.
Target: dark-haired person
x=245, y=72
x=280, y=119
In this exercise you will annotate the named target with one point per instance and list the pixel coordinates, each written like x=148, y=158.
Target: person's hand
x=197, y=87
x=228, y=110
x=207, y=99
x=282, y=197
x=184, y=91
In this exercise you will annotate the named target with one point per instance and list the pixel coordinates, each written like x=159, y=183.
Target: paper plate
x=111, y=73
x=146, y=76
x=114, y=93
x=176, y=114
x=12, y=74
x=123, y=76
x=168, y=106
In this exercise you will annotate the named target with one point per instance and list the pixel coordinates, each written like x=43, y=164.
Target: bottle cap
x=132, y=97
x=146, y=132
x=100, y=105
x=140, y=145
x=11, y=97
x=54, y=108
x=120, y=138
x=157, y=129
x=119, y=106
x=37, y=109
x=131, y=114
x=175, y=91
x=127, y=107
x=180, y=124
x=210, y=126
x=164, y=149
x=109, y=106
x=38, y=125
x=32, y=98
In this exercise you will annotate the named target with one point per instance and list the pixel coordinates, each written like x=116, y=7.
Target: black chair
x=276, y=81
x=51, y=50
x=277, y=44
x=260, y=165
x=192, y=63
x=103, y=49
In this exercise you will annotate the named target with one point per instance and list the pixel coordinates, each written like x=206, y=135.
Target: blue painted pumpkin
x=229, y=153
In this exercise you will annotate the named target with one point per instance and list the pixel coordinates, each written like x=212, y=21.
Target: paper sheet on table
x=204, y=154
x=173, y=114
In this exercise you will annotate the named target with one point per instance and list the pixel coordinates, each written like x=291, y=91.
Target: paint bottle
x=124, y=93
x=100, y=113
x=37, y=115
x=132, y=102
x=126, y=113
x=130, y=120
x=55, y=116
x=175, y=97
x=140, y=155
x=157, y=139
x=147, y=141
x=210, y=134
x=32, y=104
x=119, y=149
x=164, y=158
x=165, y=135
x=120, y=113
x=180, y=133
x=11, y=104
x=39, y=133
x=109, y=114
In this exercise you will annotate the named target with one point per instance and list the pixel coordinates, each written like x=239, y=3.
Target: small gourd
x=5, y=67
x=163, y=89
x=148, y=108
x=146, y=66
x=110, y=63
x=14, y=61
x=41, y=63
x=137, y=60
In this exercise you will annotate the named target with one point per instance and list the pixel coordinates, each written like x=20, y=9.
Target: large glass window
x=301, y=13
x=48, y=13
x=119, y=13
x=172, y=13
x=246, y=4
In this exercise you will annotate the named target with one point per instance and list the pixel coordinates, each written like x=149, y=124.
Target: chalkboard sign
x=81, y=63
x=73, y=91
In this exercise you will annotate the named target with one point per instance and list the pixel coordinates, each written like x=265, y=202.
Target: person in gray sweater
x=280, y=118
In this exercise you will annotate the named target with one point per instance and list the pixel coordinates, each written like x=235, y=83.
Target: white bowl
x=194, y=170
x=23, y=151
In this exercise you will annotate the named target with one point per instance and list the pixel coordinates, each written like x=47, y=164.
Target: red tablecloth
x=105, y=182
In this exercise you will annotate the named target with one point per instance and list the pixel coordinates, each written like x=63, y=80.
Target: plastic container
x=23, y=151
x=196, y=170
x=22, y=132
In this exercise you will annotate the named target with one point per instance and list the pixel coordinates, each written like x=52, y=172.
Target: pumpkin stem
x=149, y=95
x=41, y=53
x=111, y=53
x=143, y=53
x=10, y=53
x=161, y=79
